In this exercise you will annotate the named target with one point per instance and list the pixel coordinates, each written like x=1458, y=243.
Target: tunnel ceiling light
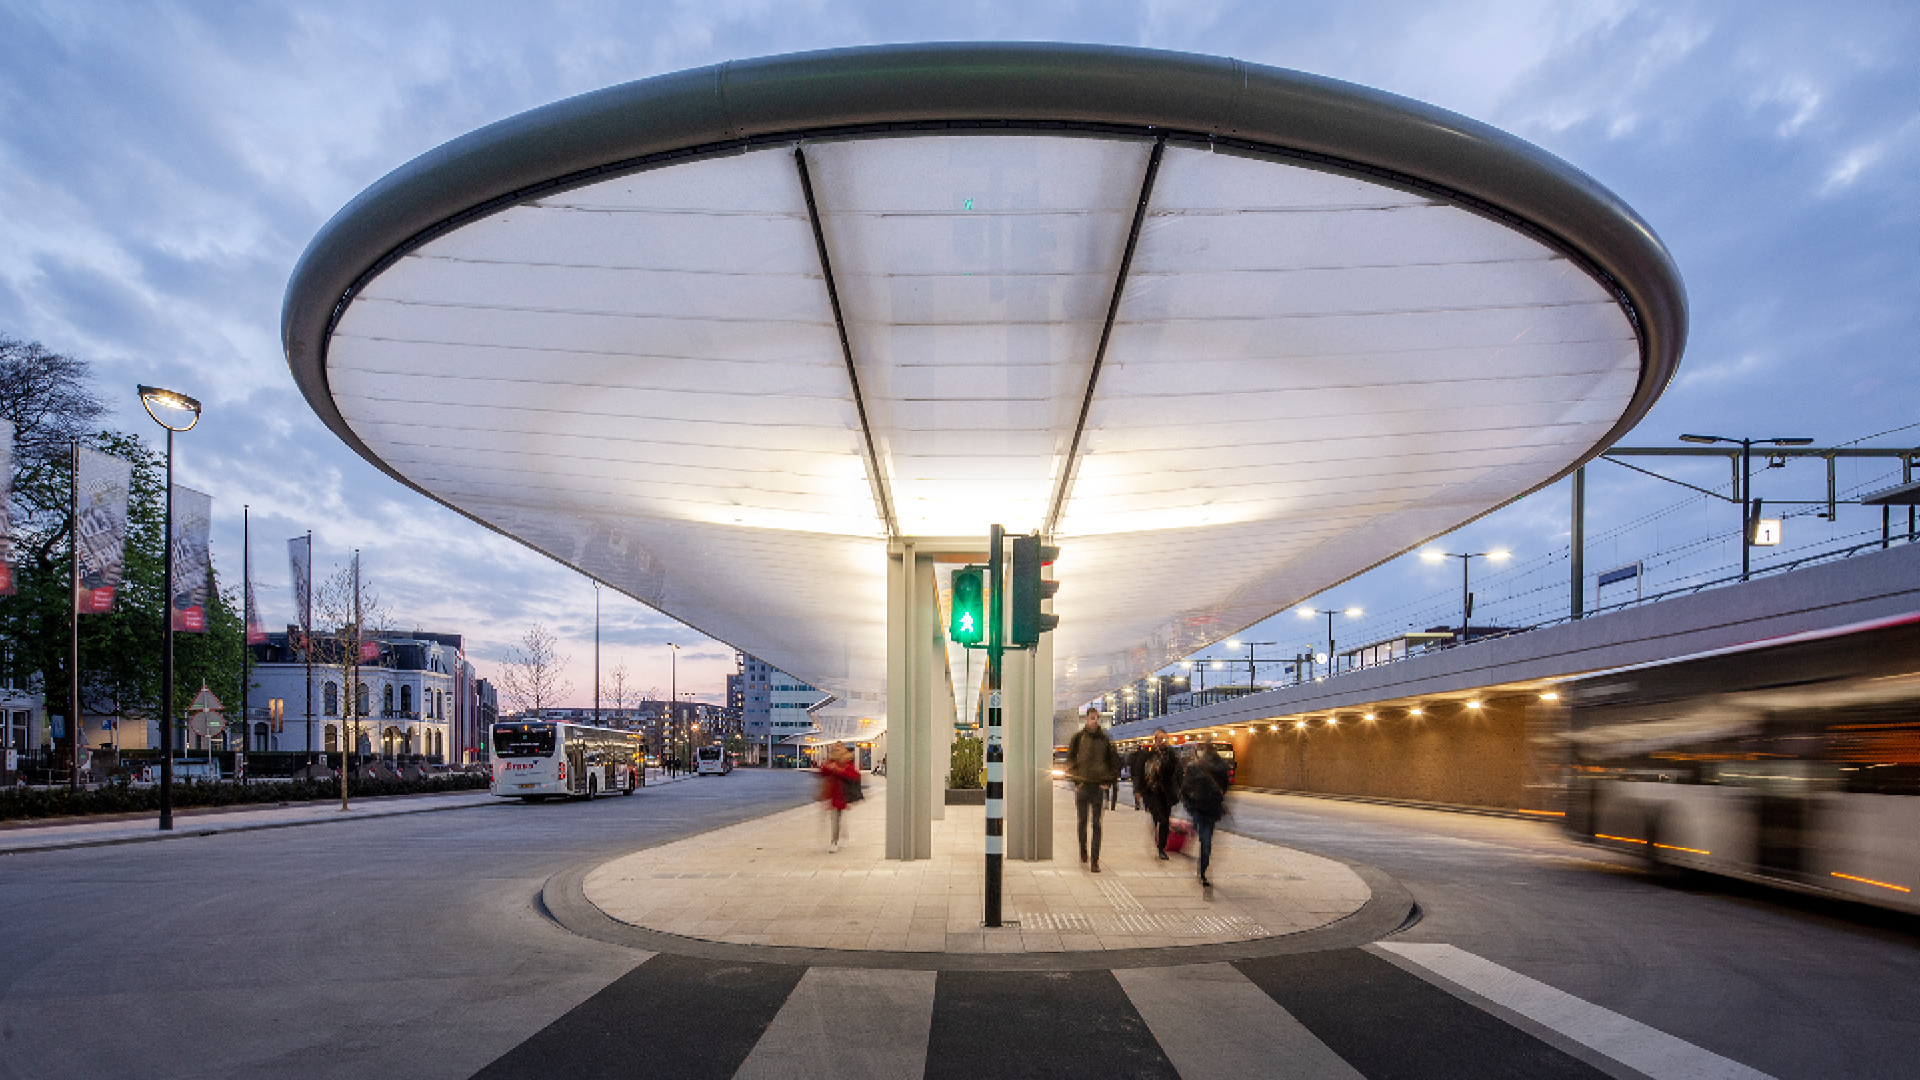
x=1300, y=724
x=1416, y=712
x=1370, y=717
x=1473, y=704
x=1549, y=696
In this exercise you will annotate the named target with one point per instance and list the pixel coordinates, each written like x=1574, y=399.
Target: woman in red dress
x=836, y=773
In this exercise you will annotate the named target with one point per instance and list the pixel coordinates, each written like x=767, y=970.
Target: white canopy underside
x=1307, y=374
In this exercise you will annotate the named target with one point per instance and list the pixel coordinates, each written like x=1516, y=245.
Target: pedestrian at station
x=1203, y=791
x=1156, y=785
x=836, y=773
x=1092, y=764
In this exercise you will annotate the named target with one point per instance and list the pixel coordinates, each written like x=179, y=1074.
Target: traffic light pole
x=995, y=755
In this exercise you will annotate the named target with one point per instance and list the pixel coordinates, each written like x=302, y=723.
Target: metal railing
x=1830, y=555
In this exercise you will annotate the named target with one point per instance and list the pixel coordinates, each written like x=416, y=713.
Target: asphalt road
x=1795, y=987
x=412, y=946
x=403, y=946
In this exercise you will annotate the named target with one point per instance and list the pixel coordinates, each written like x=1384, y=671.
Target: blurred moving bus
x=533, y=759
x=1793, y=761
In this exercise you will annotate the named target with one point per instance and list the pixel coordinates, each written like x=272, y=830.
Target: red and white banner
x=6, y=499
x=100, y=526
x=192, y=559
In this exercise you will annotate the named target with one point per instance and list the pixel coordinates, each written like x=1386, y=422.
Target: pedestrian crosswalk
x=1394, y=1011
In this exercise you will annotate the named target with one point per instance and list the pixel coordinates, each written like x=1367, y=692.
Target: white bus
x=533, y=759
x=711, y=761
x=1793, y=762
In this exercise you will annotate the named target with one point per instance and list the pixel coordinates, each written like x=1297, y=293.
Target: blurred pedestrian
x=1156, y=785
x=1092, y=764
x=1203, y=791
x=836, y=773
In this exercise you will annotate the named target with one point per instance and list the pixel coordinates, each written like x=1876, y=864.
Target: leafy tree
x=49, y=399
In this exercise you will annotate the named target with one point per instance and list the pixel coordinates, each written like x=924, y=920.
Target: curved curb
x=1389, y=910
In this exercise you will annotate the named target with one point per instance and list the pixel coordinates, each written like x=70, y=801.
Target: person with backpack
x=1092, y=764
x=1156, y=785
x=1203, y=791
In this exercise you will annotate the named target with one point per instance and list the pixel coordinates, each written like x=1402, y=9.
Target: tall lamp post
x=1745, y=484
x=1308, y=613
x=175, y=412
x=1252, y=680
x=673, y=696
x=1466, y=596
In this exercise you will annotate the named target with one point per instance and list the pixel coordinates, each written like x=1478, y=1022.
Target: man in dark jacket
x=1156, y=784
x=1092, y=764
x=1203, y=791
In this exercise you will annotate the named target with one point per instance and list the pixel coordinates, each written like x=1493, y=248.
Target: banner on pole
x=300, y=557
x=256, y=633
x=100, y=526
x=6, y=500
x=192, y=560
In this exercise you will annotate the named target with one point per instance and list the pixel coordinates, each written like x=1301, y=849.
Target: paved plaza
x=772, y=882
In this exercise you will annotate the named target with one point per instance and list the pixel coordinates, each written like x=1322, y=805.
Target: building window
x=360, y=699
x=386, y=703
x=406, y=699
x=331, y=700
x=333, y=734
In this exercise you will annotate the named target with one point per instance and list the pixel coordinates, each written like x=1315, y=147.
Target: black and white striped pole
x=995, y=758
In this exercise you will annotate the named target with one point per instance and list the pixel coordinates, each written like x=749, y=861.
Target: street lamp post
x=1252, y=678
x=176, y=412
x=1466, y=596
x=673, y=695
x=1308, y=613
x=1745, y=485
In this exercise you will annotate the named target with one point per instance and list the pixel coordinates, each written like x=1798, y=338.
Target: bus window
x=522, y=740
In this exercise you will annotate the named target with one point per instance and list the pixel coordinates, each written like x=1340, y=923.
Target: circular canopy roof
x=1229, y=334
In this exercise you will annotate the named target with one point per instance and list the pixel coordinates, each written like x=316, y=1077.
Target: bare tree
x=533, y=673
x=619, y=689
x=356, y=619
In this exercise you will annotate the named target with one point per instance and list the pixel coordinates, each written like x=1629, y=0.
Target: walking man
x=1156, y=784
x=1092, y=764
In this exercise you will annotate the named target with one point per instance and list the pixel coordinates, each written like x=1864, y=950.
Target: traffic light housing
x=1029, y=591
x=967, y=621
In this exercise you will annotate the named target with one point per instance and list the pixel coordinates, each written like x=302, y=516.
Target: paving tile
x=733, y=884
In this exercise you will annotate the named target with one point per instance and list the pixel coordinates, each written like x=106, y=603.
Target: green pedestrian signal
x=1029, y=590
x=967, y=623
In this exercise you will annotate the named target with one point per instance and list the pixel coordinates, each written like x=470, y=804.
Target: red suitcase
x=1178, y=833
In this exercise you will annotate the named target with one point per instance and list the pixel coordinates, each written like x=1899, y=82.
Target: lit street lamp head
x=173, y=408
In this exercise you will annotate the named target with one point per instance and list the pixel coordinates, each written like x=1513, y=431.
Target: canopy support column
x=1028, y=715
x=916, y=668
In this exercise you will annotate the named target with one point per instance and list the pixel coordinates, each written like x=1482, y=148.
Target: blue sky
x=163, y=165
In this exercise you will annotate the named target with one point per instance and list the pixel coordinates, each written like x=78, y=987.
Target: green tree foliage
x=967, y=763
x=50, y=401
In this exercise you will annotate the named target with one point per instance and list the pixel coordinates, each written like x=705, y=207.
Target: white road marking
x=848, y=1024
x=1644, y=1049
x=1213, y=1023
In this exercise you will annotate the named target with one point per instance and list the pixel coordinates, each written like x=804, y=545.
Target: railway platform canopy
x=731, y=339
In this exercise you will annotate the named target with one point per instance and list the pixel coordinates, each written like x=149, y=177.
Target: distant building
x=414, y=699
x=774, y=706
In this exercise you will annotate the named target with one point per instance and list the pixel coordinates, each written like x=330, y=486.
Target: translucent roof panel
x=974, y=276
x=1307, y=373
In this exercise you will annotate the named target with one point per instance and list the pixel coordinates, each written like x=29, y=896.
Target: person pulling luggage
x=1156, y=784
x=1092, y=764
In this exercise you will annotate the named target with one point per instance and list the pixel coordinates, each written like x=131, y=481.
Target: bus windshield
x=522, y=740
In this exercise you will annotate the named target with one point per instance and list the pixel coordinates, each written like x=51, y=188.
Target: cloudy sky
x=163, y=165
